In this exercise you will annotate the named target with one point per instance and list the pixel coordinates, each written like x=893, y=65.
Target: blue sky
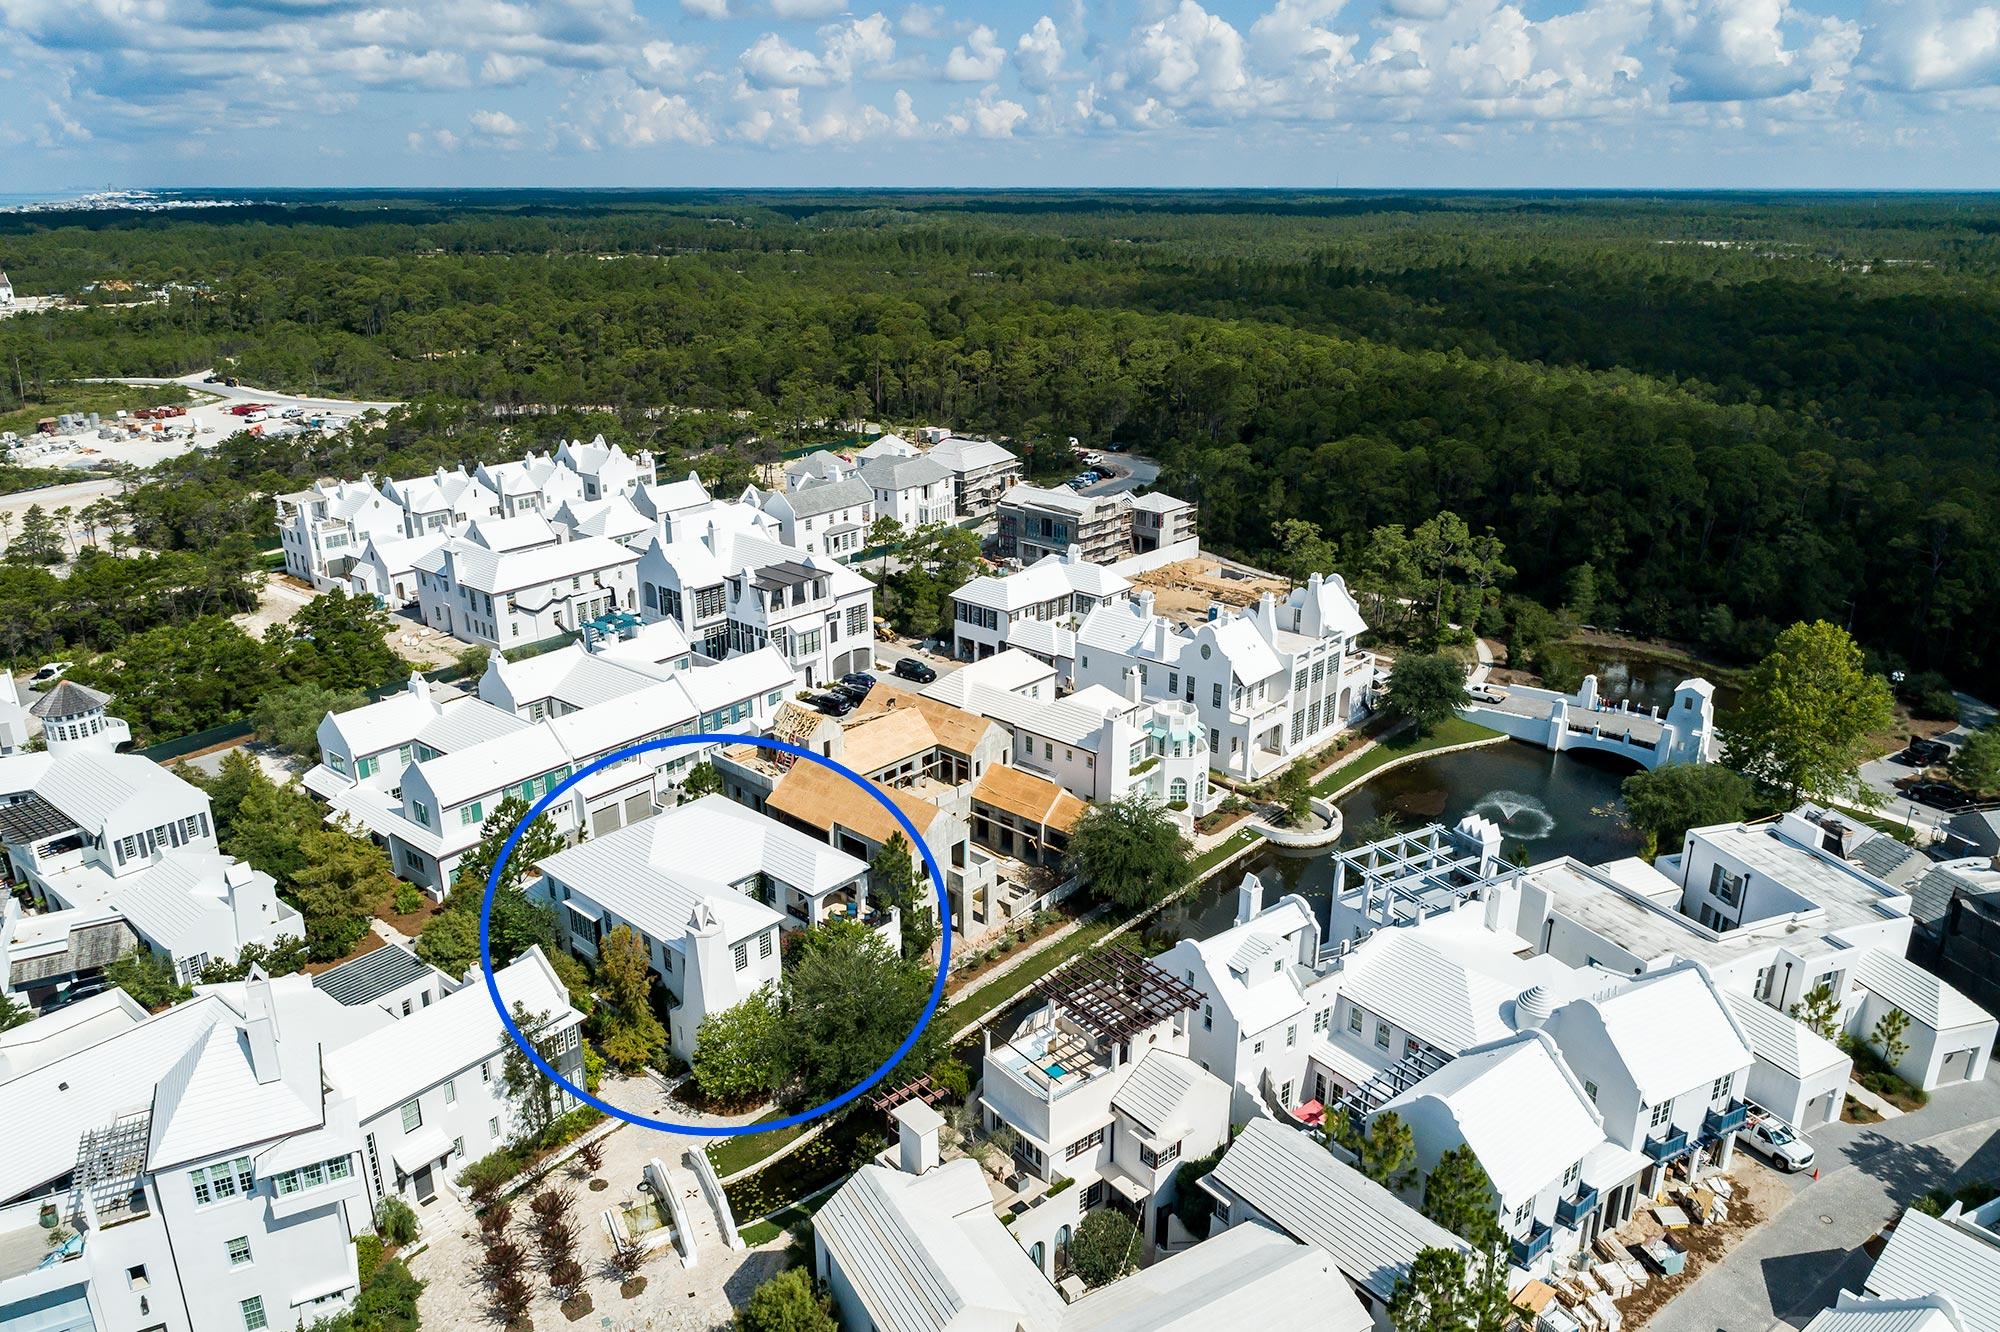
x=1674, y=93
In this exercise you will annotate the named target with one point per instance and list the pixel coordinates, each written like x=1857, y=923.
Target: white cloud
x=1190, y=58
x=806, y=9
x=857, y=45
x=988, y=116
x=1928, y=46
x=1731, y=50
x=498, y=129
x=708, y=9
x=1038, y=56
x=925, y=21
x=773, y=62
x=978, y=60
x=646, y=118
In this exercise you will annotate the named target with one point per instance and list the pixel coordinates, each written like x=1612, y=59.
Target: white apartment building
x=914, y=490
x=707, y=886
x=209, y=1176
x=990, y=612
x=426, y=1079
x=325, y=529
x=505, y=598
x=1098, y=1088
x=422, y=771
x=116, y=852
x=1774, y=910
x=1098, y=745
x=1269, y=683
x=442, y=502
x=981, y=472
x=1036, y=522
x=827, y=516
x=732, y=586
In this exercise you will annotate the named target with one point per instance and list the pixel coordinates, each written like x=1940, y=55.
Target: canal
x=1547, y=805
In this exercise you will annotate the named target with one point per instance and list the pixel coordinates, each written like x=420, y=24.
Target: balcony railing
x=1526, y=1250
x=1726, y=1120
x=1667, y=1148
x=1571, y=1211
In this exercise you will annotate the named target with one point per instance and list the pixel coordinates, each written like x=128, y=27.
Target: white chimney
x=1145, y=602
x=1132, y=684
x=260, y=1025
x=917, y=1127
x=1249, y=899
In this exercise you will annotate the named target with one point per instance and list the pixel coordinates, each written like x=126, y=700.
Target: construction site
x=1185, y=589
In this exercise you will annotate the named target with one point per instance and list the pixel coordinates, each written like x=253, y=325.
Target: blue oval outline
x=881, y=1070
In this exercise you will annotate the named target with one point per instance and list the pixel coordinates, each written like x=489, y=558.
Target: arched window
x=1035, y=1253
x=1062, y=1243
x=1178, y=790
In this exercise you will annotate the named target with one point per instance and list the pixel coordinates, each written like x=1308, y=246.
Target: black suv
x=835, y=704
x=909, y=668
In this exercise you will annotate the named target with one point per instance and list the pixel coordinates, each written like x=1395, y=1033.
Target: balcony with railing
x=1526, y=1249
x=1667, y=1147
x=1571, y=1211
x=1726, y=1119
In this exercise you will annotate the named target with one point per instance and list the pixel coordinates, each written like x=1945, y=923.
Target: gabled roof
x=1047, y=579
x=1031, y=797
x=924, y=1253
x=211, y=1102
x=1672, y=1030
x=395, y=1061
x=1892, y=861
x=1007, y=670
x=815, y=498
x=1160, y=1091
x=1931, y=1313
x=1930, y=1256
x=952, y=729
x=1485, y=1092
x=92, y=787
x=1781, y=1040
x=970, y=455
x=1421, y=987
x=821, y=798
x=1371, y=1235
x=1927, y=999
x=1247, y=1277
x=375, y=973
x=901, y=473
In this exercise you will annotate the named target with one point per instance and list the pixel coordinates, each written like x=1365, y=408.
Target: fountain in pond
x=1520, y=816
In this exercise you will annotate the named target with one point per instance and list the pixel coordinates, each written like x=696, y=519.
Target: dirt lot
x=1758, y=1193
x=1184, y=589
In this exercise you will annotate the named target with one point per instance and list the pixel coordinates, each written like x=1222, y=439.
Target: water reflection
x=1547, y=805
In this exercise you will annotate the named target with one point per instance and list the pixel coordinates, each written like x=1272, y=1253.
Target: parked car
x=834, y=704
x=1923, y=753
x=50, y=672
x=909, y=668
x=857, y=683
x=293, y=413
x=1938, y=795
x=1778, y=1143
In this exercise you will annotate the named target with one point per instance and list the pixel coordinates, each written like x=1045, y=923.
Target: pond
x=1628, y=675
x=1547, y=805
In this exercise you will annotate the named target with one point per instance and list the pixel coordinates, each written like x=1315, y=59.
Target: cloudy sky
x=1833, y=93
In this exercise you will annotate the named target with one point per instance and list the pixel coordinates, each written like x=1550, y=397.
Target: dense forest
x=1738, y=410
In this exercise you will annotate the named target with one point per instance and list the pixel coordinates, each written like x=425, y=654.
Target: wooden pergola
x=1115, y=994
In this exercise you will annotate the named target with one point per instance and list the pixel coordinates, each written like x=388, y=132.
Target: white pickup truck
x=1776, y=1141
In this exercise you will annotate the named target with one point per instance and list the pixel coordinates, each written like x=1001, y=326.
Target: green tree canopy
x=786, y=1303
x=632, y=1034
x=1385, y=1150
x=1665, y=802
x=1806, y=716
x=1976, y=765
x=1105, y=1247
x=1129, y=852
x=739, y=1055
x=847, y=1002
x=289, y=716
x=1459, y=1196
x=1428, y=688
x=893, y=881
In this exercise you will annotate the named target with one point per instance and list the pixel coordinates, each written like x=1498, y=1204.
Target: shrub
x=408, y=898
x=367, y=1257
x=394, y=1221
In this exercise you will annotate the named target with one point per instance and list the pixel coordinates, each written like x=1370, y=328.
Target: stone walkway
x=693, y=1299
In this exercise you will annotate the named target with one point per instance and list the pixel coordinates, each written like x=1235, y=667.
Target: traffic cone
x=1815, y=1174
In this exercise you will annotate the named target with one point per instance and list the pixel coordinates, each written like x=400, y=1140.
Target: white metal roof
x=1249, y=1276
x=1371, y=1235
x=1485, y=1091
x=970, y=455
x=92, y=788
x=1956, y=1258
x=1672, y=1030
x=1047, y=579
x=1273, y=998
x=496, y=572
x=924, y=1253
x=1009, y=670
x=74, y=1026
x=395, y=1062
x=1927, y=999
x=88, y=1089
x=654, y=873
x=1158, y=1090
x=211, y=1102
x=1932, y=1313
x=1412, y=980
x=1781, y=1040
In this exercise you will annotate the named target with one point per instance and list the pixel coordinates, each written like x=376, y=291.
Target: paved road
x=1795, y=1264
x=1133, y=473
x=250, y=393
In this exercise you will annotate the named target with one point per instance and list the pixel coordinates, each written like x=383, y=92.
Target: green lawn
x=1456, y=731
x=104, y=399
x=733, y=1154
x=763, y=1232
x=1902, y=832
x=1206, y=862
